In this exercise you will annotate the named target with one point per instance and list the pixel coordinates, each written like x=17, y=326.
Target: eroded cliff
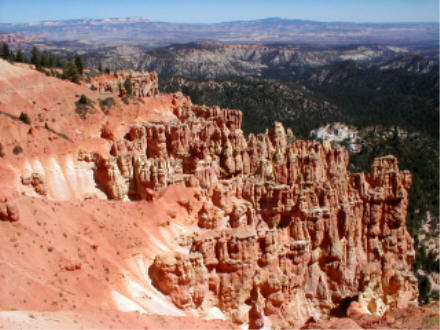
x=184, y=215
x=284, y=234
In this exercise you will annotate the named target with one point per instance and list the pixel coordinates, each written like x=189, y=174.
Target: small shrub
x=83, y=99
x=17, y=150
x=126, y=99
x=93, y=88
x=2, y=152
x=106, y=104
x=424, y=289
x=24, y=118
x=435, y=295
x=84, y=106
x=91, y=73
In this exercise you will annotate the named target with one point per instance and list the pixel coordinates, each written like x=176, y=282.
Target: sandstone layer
x=181, y=214
x=143, y=84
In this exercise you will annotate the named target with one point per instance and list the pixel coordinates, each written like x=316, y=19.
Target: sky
x=207, y=11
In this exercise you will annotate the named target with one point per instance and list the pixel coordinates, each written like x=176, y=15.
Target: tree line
x=72, y=68
x=403, y=100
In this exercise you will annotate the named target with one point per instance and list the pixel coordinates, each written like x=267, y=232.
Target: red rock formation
x=282, y=223
x=413, y=317
x=9, y=210
x=142, y=83
x=274, y=231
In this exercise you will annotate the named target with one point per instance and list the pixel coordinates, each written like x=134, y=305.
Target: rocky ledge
x=285, y=233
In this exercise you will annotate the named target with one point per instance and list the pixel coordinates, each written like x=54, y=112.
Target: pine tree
x=58, y=62
x=424, y=289
x=100, y=67
x=19, y=56
x=83, y=99
x=51, y=61
x=78, y=63
x=5, y=51
x=45, y=59
x=70, y=72
x=128, y=87
x=36, y=57
x=11, y=57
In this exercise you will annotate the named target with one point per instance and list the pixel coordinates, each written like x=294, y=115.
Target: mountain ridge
x=261, y=30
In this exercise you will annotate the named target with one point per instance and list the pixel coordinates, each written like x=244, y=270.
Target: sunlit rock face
x=142, y=84
x=263, y=230
x=284, y=231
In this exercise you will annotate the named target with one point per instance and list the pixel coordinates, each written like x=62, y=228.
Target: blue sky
x=222, y=10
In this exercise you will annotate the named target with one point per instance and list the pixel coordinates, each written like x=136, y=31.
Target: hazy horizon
x=197, y=11
x=218, y=22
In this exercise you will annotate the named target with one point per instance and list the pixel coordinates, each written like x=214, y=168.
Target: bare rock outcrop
x=142, y=83
x=9, y=210
x=285, y=231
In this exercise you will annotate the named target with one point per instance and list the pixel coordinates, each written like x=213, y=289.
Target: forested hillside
x=395, y=111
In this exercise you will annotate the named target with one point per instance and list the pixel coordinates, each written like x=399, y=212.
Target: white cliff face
x=338, y=134
x=59, y=178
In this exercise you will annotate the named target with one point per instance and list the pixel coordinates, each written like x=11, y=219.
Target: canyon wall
x=285, y=233
x=164, y=207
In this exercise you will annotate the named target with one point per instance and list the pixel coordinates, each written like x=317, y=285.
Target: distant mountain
x=215, y=60
x=413, y=63
x=270, y=30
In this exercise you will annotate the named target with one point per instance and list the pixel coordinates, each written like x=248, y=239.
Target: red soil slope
x=79, y=262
